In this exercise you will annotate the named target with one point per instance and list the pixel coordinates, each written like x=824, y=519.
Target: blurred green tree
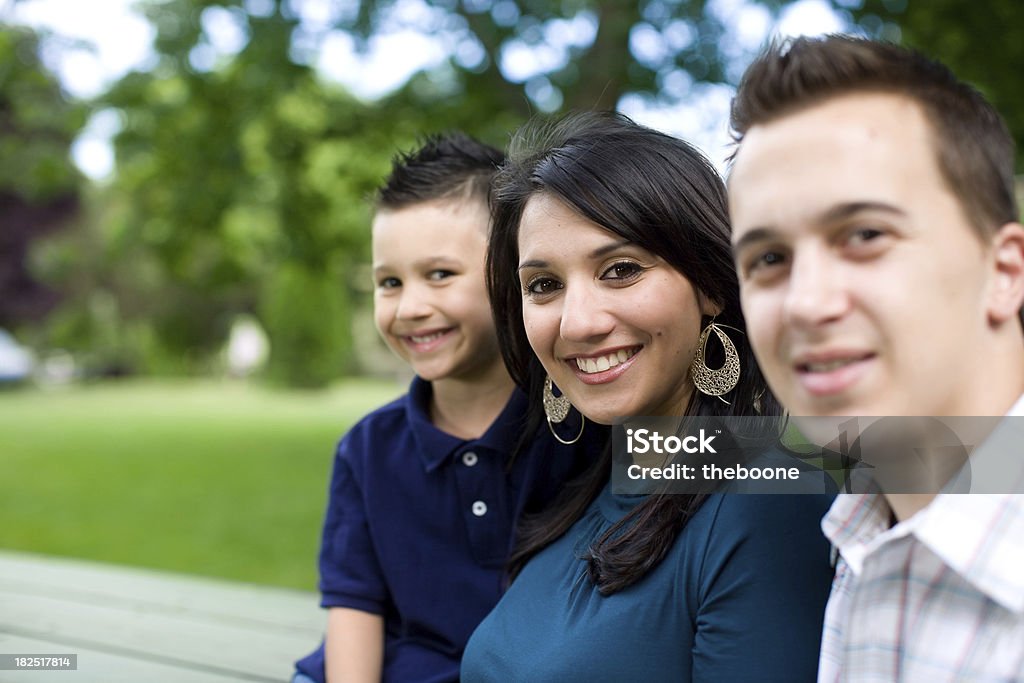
x=39, y=186
x=242, y=177
x=244, y=187
x=541, y=54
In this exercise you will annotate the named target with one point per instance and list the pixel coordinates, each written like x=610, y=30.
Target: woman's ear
x=1007, y=293
x=708, y=307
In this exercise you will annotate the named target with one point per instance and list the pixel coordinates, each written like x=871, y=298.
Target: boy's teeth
x=425, y=338
x=602, y=363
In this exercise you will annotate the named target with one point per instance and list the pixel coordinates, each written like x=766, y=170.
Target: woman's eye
x=623, y=270
x=439, y=274
x=389, y=283
x=542, y=285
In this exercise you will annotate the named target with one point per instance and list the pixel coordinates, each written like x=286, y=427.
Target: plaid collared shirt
x=937, y=597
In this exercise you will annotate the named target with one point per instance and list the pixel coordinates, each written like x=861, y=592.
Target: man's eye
x=542, y=285
x=623, y=270
x=765, y=260
x=389, y=283
x=864, y=235
x=439, y=274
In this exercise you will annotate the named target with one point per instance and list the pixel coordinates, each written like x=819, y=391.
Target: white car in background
x=16, y=362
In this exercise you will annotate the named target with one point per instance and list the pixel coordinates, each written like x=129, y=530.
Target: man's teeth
x=830, y=365
x=602, y=363
x=427, y=337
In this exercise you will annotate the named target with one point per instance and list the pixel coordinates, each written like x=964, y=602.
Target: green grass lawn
x=220, y=479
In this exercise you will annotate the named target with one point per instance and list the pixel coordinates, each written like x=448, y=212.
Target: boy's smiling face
x=430, y=299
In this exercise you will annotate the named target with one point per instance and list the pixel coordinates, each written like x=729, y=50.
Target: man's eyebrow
x=833, y=214
x=596, y=254
x=755, y=235
x=841, y=211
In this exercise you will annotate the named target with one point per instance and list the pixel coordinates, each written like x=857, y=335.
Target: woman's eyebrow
x=596, y=254
x=608, y=248
x=532, y=263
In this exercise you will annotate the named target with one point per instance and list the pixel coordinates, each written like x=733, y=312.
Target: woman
x=609, y=256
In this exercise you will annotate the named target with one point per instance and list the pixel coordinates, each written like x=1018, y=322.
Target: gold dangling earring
x=556, y=408
x=724, y=379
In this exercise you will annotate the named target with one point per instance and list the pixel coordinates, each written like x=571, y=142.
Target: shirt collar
x=853, y=522
x=436, y=446
x=980, y=536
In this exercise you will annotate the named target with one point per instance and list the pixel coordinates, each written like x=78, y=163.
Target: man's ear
x=1007, y=294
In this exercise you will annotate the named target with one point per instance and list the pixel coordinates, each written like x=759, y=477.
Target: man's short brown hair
x=974, y=150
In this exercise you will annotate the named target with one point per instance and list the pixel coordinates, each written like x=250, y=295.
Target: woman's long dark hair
x=661, y=194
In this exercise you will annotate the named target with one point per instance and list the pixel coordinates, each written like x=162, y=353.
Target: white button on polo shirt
x=469, y=458
x=479, y=508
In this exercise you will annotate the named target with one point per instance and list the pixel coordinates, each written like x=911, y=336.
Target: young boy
x=426, y=492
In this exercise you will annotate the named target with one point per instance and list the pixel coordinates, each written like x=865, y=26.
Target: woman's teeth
x=602, y=363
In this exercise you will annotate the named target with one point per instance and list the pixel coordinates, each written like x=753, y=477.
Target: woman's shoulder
x=727, y=523
x=763, y=538
x=758, y=511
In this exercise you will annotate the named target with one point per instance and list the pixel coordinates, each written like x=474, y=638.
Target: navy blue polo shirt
x=420, y=524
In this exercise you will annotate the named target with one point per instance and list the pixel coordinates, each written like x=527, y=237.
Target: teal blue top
x=739, y=597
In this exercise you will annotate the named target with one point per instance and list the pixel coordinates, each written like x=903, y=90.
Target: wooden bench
x=128, y=624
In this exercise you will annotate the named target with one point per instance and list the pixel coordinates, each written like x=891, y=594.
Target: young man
x=426, y=491
x=882, y=272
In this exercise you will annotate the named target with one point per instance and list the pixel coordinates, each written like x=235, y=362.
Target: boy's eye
x=542, y=285
x=439, y=274
x=389, y=283
x=622, y=270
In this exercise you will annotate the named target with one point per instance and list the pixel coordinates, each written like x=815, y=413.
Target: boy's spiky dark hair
x=443, y=166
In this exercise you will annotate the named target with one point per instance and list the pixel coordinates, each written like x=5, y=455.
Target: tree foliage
x=243, y=187
x=39, y=186
x=245, y=190
x=242, y=177
x=586, y=53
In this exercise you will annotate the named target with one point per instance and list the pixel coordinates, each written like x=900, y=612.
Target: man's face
x=864, y=286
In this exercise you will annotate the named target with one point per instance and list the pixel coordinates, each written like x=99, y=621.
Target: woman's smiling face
x=614, y=325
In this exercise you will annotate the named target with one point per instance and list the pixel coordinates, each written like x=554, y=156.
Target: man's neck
x=906, y=505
